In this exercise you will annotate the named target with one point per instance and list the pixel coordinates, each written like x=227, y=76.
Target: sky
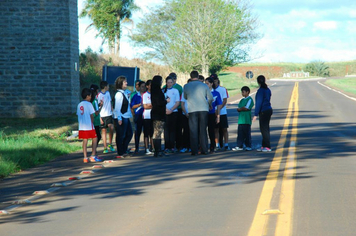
x=292, y=31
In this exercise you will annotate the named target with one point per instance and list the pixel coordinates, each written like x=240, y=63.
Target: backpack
x=125, y=103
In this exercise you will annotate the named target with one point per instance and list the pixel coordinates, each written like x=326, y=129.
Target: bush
x=317, y=68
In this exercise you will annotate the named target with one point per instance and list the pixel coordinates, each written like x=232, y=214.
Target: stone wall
x=39, y=58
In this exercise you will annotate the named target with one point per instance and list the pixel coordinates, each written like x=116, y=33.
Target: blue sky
x=293, y=31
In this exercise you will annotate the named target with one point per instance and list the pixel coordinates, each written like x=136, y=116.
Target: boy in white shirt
x=85, y=112
x=106, y=116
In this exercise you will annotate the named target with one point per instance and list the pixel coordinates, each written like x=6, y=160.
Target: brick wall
x=38, y=53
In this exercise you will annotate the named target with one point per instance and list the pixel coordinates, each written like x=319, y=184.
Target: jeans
x=198, y=122
x=265, y=117
x=123, y=135
x=170, y=130
x=138, y=131
x=244, y=135
x=211, y=130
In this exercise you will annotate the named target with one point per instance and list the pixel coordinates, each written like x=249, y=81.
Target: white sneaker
x=248, y=149
x=148, y=152
x=237, y=149
x=259, y=149
x=266, y=149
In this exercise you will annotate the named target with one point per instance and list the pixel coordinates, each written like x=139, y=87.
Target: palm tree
x=107, y=17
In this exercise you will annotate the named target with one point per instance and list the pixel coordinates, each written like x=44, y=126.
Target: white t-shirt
x=223, y=94
x=174, y=96
x=146, y=99
x=84, y=110
x=185, y=104
x=106, y=108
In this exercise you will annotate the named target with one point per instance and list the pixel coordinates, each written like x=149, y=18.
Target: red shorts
x=87, y=134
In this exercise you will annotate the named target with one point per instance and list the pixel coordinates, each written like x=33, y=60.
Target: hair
x=168, y=78
x=211, y=81
x=103, y=84
x=194, y=74
x=173, y=75
x=148, y=82
x=245, y=88
x=86, y=92
x=94, y=91
x=214, y=76
x=201, y=78
x=120, y=81
x=141, y=82
x=138, y=81
x=156, y=83
x=261, y=80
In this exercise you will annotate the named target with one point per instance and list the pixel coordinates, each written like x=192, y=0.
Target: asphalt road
x=304, y=187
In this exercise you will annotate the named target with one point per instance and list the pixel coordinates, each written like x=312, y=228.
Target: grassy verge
x=347, y=85
x=233, y=83
x=25, y=143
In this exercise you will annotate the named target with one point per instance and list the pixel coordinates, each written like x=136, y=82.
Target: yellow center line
x=260, y=221
x=285, y=221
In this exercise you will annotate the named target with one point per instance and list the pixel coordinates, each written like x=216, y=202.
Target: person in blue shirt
x=214, y=112
x=264, y=111
x=137, y=107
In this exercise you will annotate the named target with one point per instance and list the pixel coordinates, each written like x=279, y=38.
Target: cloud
x=325, y=25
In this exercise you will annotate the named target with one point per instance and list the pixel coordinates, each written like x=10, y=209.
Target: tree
x=318, y=68
x=204, y=35
x=107, y=17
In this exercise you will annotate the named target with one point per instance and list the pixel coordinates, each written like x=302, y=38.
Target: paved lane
x=217, y=194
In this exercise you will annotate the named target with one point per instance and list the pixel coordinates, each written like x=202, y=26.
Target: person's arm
x=118, y=104
x=92, y=118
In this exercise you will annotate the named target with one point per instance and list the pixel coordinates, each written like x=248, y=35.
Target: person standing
x=199, y=99
x=214, y=113
x=122, y=114
x=244, y=121
x=221, y=132
x=264, y=111
x=147, y=121
x=106, y=116
x=158, y=113
x=137, y=107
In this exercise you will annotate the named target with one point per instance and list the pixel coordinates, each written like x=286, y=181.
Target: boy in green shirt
x=244, y=121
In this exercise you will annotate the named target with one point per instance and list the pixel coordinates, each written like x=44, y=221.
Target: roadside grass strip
x=337, y=91
x=261, y=221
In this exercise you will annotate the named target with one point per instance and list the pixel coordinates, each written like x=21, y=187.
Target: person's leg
x=178, y=132
x=98, y=134
x=248, y=142
x=158, y=128
x=85, y=144
x=211, y=131
x=94, y=146
x=193, y=130
x=172, y=130
x=128, y=134
x=265, y=118
x=217, y=137
x=104, y=136
x=240, y=136
x=119, y=138
x=203, y=124
x=166, y=132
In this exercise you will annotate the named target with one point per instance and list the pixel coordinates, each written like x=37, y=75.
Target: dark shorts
x=147, y=128
x=107, y=121
x=224, y=124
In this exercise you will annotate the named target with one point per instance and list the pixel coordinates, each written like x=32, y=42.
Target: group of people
x=186, y=116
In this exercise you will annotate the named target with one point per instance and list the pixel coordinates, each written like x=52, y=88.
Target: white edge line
x=337, y=91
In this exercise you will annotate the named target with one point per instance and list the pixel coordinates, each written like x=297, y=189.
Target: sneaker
x=95, y=159
x=111, y=148
x=147, y=152
x=266, y=149
x=86, y=160
x=248, y=149
x=227, y=148
x=183, y=150
x=259, y=149
x=105, y=151
x=237, y=149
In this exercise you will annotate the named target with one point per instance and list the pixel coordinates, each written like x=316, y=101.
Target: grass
x=26, y=143
x=234, y=83
x=347, y=85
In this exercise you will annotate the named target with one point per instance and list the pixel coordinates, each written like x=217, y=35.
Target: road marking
x=260, y=222
x=337, y=91
x=286, y=203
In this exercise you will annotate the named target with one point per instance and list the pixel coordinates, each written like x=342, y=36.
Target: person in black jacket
x=158, y=113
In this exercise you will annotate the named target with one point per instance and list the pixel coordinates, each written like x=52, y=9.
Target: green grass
x=233, y=83
x=25, y=143
x=347, y=85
